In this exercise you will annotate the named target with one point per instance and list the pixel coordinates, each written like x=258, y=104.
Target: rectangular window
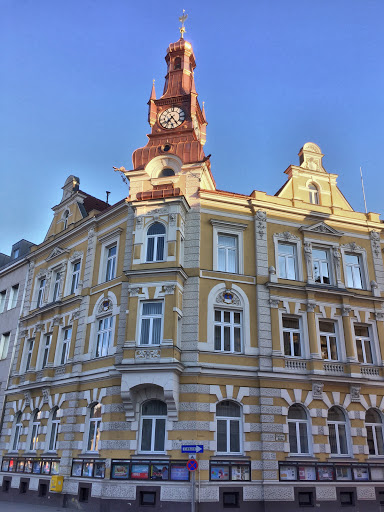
x=321, y=272
x=3, y=295
x=291, y=336
x=353, y=271
x=228, y=330
x=111, y=263
x=40, y=295
x=4, y=344
x=328, y=340
x=363, y=344
x=29, y=354
x=56, y=287
x=287, y=261
x=13, y=296
x=227, y=253
x=47, y=346
x=305, y=499
x=16, y=253
x=66, y=344
x=151, y=320
x=104, y=335
x=75, y=276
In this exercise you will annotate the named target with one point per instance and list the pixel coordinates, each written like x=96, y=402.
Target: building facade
x=248, y=325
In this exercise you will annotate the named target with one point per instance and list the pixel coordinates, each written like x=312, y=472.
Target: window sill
x=151, y=455
x=341, y=458
x=301, y=457
x=89, y=455
x=230, y=456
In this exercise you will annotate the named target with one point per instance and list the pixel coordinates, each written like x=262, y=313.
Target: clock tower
x=178, y=124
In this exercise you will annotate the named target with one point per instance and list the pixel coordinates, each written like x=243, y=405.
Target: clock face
x=172, y=117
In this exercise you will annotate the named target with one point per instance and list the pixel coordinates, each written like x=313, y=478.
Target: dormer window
x=16, y=253
x=166, y=172
x=65, y=217
x=313, y=194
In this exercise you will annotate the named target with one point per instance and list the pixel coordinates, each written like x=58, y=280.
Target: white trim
x=232, y=229
x=138, y=324
x=107, y=241
x=289, y=240
x=362, y=254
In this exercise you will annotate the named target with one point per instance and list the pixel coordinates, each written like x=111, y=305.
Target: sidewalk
x=9, y=506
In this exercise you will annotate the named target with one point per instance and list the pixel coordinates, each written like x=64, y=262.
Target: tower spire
x=182, y=19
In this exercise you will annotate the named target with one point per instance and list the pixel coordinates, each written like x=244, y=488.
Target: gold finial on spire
x=182, y=19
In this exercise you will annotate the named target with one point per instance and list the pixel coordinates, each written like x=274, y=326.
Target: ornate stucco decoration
x=321, y=227
x=57, y=320
x=375, y=242
x=169, y=289
x=46, y=394
x=355, y=393
x=134, y=291
x=286, y=235
x=57, y=251
x=352, y=247
x=147, y=354
x=228, y=297
x=274, y=303
x=261, y=222
x=317, y=390
x=105, y=306
x=27, y=397
x=76, y=256
x=311, y=157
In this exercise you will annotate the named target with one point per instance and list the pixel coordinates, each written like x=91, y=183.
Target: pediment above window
x=57, y=251
x=322, y=228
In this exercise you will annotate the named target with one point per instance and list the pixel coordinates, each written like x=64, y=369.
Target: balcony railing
x=296, y=365
x=335, y=368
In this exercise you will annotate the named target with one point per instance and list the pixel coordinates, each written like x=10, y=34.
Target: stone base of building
x=102, y=496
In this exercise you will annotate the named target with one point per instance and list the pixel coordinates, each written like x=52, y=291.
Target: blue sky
x=75, y=77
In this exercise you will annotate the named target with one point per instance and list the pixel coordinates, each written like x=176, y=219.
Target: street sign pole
x=193, y=491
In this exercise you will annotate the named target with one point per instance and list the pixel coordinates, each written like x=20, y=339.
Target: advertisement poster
x=377, y=473
x=120, y=471
x=5, y=465
x=12, y=465
x=55, y=467
x=28, y=466
x=307, y=473
x=76, y=468
x=343, y=473
x=99, y=470
x=88, y=469
x=20, y=466
x=45, y=469
x=240, y=472
x=361, y=473
x=288, y=473
x=139, y=471
x=179, y=472
x=37, y=467
x=219, y=472
x=159, y=472
x=325, y=472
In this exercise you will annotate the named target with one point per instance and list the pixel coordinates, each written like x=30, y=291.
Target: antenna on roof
x=362, y=186
x=107, y=192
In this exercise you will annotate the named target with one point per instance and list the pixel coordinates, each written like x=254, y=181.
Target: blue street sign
x=192, y=448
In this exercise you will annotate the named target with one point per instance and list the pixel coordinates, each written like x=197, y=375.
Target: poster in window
x=361, y=473
x=88, y=469
x=99, y=470
x=55, y=467
x=159, y=471
x=76, y=468
x=377, y=473
x=288, y=473
x=20, y=466
x=45, y=468
x=5, y=465
x=120, y=471
x=307, y=473
x=240, y=472
x=179, y=472
x=343, y=473
x=219, y=472
x=325, y=472
x=12, y=465
x=28, y=466
x=37, y=467
x=139, y=471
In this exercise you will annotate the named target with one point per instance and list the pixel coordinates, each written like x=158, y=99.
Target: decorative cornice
x=322, y=228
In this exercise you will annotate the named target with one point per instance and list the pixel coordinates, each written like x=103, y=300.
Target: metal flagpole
x=362, y=186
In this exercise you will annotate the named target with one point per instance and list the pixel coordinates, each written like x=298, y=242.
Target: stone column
x=35, y=351
x=312, y=331
x=276, y=347
x=380, y=331
x=348, y=337
x=55, y=334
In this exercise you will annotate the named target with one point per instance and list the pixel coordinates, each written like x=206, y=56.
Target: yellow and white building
x=249, y=326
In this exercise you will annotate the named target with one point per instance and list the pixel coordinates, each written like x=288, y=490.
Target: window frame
x=328, y=260
x=299, y=330
x=228, y=229
x=13, y=296
x=30, y=343
x=65, y=344
x=56, y=285
x=314, y=193
x=155, y=243
x=99, y=331
x=361, y=253
x=34, y=430
x=151, y=317
x=372, y=343
x=96, y=421
x=328, y=335
x=308, y=430
x=374, y=427
x=44, y=351
x=289, y=239
x=106, y=242
x=3, y=300
x=4, y=345
x=232, y=326
x=227, y=419
x=53, y=429
x=75, y=276
x=336, y=424
x=42, y=282
x=154, y=419
x=17, y=432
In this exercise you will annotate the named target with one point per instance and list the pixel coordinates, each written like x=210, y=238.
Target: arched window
x=166, y=172
x=65, y=217
x=34, y=439
x=337, y=425
x=53, y=429
x=104, y=336
x=228, y=416
x=94, y=428
x=313, y=194
x=17, y=432
x=228, y=330
x=374, y=425
x=298, y=430
x=177, y=63
x=153, y=418
x=155, y=242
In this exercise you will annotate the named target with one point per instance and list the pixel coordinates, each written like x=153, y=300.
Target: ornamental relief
x=228, y=297
x=105, y=306
x=286, y=235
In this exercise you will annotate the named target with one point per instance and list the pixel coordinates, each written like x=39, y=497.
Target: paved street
x=8, y=506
